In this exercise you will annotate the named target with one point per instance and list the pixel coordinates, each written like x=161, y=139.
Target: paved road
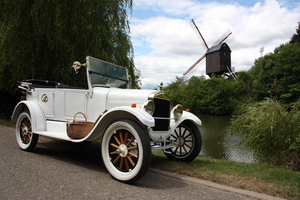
x=61, y=170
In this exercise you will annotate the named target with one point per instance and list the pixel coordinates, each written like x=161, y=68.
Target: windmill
x=218, y=60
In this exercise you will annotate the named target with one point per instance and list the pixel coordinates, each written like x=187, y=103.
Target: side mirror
x=76, y=66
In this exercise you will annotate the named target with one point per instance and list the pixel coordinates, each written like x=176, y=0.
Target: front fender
x=185, y=116
x=38, y=118
x=136, y=114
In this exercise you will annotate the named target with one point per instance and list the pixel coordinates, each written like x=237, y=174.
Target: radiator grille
x=162, y=110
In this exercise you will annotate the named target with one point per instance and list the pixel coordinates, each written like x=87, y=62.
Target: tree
x=208, y=96
x=276, y=75
x=41, y=39
x=191, y=93
x=296, y=37
x=175, y=90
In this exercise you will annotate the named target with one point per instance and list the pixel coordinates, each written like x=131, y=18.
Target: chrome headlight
x=149, y=107
x=177, y=111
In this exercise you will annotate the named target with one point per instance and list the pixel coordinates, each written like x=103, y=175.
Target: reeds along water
x=218, y=143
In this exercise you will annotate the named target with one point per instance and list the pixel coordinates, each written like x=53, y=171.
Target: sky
x=166, y=45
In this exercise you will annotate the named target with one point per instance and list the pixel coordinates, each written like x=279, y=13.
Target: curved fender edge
x=38, y=117
x=185, y=116
x=136, y=114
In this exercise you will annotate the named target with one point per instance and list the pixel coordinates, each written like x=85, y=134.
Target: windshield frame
x=105, y=74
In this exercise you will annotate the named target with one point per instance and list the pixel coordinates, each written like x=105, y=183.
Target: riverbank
x=258, y=177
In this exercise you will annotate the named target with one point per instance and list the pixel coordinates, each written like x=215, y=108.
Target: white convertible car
x=130, y=123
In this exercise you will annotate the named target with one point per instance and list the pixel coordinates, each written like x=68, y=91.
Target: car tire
x=126, y=150
x=26, y=139
x=189, y=140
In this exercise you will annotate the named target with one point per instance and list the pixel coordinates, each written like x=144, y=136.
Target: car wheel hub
x=25, y=130
x=180, y=141
x=123, y=151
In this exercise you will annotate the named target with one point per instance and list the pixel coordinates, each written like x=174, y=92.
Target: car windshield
x=107, y=74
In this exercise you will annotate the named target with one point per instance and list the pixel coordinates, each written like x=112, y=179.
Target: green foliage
x=296, y=37
x=272, y=132
x=7, y=103
x=212, y=96
x=276, y=75
x=41, y=39
x=217, y=95
x=175, y=90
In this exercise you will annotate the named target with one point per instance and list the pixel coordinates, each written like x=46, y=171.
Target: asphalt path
x=62, y=170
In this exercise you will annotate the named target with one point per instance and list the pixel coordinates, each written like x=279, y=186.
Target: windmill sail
x=190, y=70
x=196, y=28
x=222, y=38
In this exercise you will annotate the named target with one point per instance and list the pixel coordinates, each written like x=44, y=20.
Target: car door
x=75, y=100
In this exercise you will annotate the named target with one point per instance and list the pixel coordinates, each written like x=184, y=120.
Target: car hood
x=126, y=97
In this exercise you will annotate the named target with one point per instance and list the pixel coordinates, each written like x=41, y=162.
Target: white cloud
x=166, y=45
x=167, y=36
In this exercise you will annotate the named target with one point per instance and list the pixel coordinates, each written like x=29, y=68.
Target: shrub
x=8, y=102
x=272, y=132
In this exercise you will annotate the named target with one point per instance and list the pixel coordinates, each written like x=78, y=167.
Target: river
x=218, y=143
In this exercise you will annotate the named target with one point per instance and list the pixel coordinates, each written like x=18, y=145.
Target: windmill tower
x=218, y=57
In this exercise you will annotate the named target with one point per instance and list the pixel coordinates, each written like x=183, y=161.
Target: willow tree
x=41, y=38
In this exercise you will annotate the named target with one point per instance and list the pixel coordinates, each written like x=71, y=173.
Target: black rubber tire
x=190, y=142
x=26, y=139
x=126, y=150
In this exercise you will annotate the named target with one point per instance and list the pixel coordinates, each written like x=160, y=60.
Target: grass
x=6, y=123
x=273, y=180
x=259, y=177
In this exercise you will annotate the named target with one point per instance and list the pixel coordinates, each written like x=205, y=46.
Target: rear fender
x=38, y=118
x=136, y=114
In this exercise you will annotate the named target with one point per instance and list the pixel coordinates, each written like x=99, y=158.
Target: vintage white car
x=130, y=123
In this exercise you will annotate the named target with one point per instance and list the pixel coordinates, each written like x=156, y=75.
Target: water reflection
x=218, y=143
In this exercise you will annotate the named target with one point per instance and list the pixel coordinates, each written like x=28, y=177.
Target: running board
x=58, y=130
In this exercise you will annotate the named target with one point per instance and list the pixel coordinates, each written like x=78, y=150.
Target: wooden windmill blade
x=194, y=65
x=194, y=69
x=195, y=27
x=222, y=38
x=191, y=70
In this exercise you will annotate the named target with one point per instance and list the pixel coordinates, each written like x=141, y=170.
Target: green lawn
x=259, y=177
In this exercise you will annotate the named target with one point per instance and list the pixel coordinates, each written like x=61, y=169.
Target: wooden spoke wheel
x=26, y=139
x=123, y=151
x=126, y=150
x=189, y=143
